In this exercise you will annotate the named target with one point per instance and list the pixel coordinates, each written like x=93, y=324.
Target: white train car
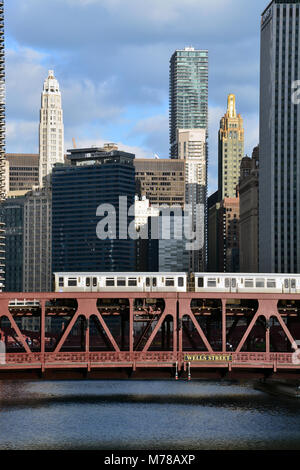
x=247, y=283
x=120, y=282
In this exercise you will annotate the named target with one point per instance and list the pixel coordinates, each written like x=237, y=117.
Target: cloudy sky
x=111, y=58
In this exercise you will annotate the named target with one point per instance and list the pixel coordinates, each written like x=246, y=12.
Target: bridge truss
x=175, y=335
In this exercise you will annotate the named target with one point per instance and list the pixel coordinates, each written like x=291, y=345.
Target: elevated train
x=177, y=282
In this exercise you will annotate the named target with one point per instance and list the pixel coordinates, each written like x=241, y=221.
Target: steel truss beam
x=177, y=306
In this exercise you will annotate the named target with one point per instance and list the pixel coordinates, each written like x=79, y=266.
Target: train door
x=233, y=284
x=293, y=286
x=94, y=284
x=230, y=284
x=286, y=286
x=88, y=284
x=148, y=284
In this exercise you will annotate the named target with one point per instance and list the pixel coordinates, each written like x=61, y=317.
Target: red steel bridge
x=134, y=335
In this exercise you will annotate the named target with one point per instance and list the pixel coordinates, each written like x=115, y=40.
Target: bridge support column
x=43, y=326
x=87, y=334
x=224, y=325
x=131, y=331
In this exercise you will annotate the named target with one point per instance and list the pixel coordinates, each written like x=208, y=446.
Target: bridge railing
x=154, y=358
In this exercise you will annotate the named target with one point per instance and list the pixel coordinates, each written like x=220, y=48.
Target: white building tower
x=51, y=127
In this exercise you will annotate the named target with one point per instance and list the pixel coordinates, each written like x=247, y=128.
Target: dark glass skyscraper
x=96, y=176
x=279, y=176
x=12, y=214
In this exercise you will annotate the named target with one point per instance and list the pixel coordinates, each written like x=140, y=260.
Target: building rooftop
x=99, y=155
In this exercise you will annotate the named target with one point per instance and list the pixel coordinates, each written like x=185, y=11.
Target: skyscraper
x=22, y=172
x=231, y=150
x=279, y=175
x=37, y=272
x=188, y=134
x=51, y=127
x=97, y=177
x=2, y=141
x=161, y=180
x=12, y=213
x=188, y=93
x=248, y=192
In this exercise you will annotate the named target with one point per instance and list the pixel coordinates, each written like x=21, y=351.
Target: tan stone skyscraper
x=231, y=150
x=51, y=127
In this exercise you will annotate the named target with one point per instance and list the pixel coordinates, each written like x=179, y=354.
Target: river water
x=165, y=415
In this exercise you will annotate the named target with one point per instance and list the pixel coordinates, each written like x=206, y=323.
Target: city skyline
x=115, y=105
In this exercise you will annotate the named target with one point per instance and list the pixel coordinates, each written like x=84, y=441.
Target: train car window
x=170, y=282
x=286, y=283
x=94, y=282
x=271, y=283
x=154, y=281
x=211, y=283
x=180, y=282
x=200, y=282
x=249, y=283
x=72, y=282
x=233, y=282
x=110, y=282
x=293, y=283
x=227, y=282
x=132, y=282
x=147, y=281
x=61, y=282
x=260, y=283
x=87, y=281
x=121, y=281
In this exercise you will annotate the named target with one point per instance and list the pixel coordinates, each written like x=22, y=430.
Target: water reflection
x=145, y=415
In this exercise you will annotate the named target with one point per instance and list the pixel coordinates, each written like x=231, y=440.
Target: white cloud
x=22, y=137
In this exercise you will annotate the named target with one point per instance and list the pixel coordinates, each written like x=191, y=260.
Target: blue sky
x=111, y=58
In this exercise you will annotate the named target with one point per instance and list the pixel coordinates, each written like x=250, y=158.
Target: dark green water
x=145, y=415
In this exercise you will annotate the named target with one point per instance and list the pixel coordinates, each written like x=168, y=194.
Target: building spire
x=231, y=109
x=51, y=127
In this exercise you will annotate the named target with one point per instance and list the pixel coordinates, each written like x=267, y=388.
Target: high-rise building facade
x=279, y=173
x=231, y=150
x=248, y=192
x=161, y=181
x=12, y=214
x=95, y=181
x=37, y=271
x=188, y=93
x=224, y=210
x=2, y=142
x=22, y=172
x=223, y=236
x=188, y=136
x=51, y=137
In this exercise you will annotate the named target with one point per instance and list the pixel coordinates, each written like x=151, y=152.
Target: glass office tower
x=96, y=176
x=279, y=175
x=188, y=93
x=12, y=214
x=188, y=136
